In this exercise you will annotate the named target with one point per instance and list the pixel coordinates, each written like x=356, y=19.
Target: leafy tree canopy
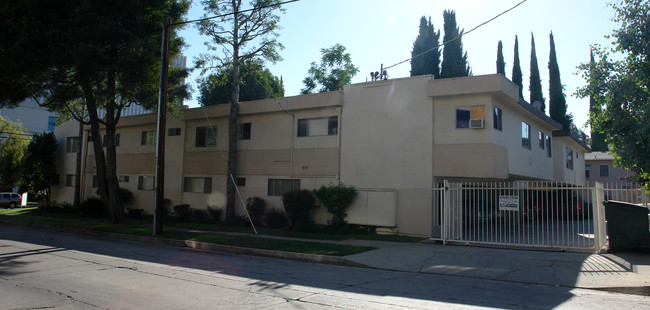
x=39, y=172
x=335, y=70
x=557, y=99
x=257, y=82
x=83, y=57
x=517, y=76
x=501, y=64
x=621, y=89
x=13, y=142
x=427, y=41
x=535, y=85
x=454, y=61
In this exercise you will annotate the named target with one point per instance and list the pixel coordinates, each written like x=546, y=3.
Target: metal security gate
x=528, y=214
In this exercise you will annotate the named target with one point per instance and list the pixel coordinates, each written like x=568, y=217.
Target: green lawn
x=208, y=232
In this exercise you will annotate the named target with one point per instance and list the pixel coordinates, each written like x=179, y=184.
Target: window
x=462, y=117
x=525, y=135
x=322, y=126
x=146, y=182
x=244, y=131
x=206, y=136
x=277, y=187
x=587, y=171
x=117, y=140
x=498, y=119
x=197, y=185
x=569, y=158
x=174, y=132
x=148, y=137
x=604, y=170
x=465, y=115
x=542, y=140
x=240, y=182
x=72, y=144
x=549, y=153
x=51, y=123
x=94, y=182
x=123, y=178
x=70, y=180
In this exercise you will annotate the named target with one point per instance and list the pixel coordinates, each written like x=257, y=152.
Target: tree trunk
x=232, y=120
x=115, y=206
x=100, y=161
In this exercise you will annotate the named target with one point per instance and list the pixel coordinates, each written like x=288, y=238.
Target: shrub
x=299, y=205
x=135, y=213
x=125, y=195
x=214, y=214
x=337, y=198
x=256, y=208
x=276, y=218
x=200, y=216
x=183, y=212
x=94, y=207
x=236, y=221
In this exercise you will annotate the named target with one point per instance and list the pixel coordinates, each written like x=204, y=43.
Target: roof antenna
x=379, y=75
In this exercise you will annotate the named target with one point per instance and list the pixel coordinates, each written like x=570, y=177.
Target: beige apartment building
x=393, y=140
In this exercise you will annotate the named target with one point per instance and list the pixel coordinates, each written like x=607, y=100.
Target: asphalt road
x=51, y=270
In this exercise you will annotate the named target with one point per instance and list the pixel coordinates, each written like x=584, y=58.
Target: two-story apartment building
x=393, y=140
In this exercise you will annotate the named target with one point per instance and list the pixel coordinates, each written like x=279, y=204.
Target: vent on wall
x=477, y=123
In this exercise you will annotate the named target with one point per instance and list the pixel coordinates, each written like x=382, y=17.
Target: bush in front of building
x=182, y=212
x=336, y=198
x=276, y=218
x=94, y=207
x=299, y=205
x=256, y=208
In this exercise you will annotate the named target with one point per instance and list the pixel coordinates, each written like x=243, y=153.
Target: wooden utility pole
x=160, y=146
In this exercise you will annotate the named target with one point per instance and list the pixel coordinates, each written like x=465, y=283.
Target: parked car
x=10, y=200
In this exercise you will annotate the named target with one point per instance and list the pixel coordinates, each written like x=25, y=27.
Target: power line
x=233, y=13
x=457, y=37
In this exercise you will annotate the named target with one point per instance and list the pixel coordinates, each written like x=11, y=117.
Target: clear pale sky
x=383, y=31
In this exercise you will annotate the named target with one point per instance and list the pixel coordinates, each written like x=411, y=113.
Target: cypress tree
x=556, y=101
x=427, y=39
x=454, y=61
x=501, y=64
x=517, y=76
x=535, y=85
x=598, y=143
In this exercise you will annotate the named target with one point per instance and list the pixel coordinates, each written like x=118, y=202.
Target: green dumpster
x=628, y=227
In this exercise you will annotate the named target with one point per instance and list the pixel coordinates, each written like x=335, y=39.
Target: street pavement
x=44, y=269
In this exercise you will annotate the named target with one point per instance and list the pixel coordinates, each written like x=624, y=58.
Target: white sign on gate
x=508, y=203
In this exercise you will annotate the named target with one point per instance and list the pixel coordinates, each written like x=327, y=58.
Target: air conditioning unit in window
x=477, y=123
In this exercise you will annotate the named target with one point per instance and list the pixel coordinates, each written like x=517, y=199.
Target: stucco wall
x=386, y=144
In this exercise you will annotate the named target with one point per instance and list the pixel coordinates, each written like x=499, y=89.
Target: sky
x=377, y=32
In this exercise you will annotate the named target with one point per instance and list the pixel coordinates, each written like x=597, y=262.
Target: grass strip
x=209, y=237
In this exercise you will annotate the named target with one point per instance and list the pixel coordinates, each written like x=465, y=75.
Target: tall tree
x=425, y=55
x=501, y=64
x=257, y=82
x=517, y=76
x=39, y=171
x=598, y=143
x=103, y=55
x=239, y=35
x=557, y=100
x=535, y=85
x=13, y=141
x=334, y=71
x=454, y=61
x=621, y=89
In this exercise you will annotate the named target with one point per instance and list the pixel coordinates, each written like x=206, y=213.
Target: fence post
x=444, y=227
x=600, y=230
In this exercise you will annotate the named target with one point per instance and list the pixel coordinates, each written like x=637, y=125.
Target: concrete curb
x=305, y=257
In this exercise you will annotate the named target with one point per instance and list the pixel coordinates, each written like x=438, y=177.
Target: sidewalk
x=618, y=272
x=624, y=272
